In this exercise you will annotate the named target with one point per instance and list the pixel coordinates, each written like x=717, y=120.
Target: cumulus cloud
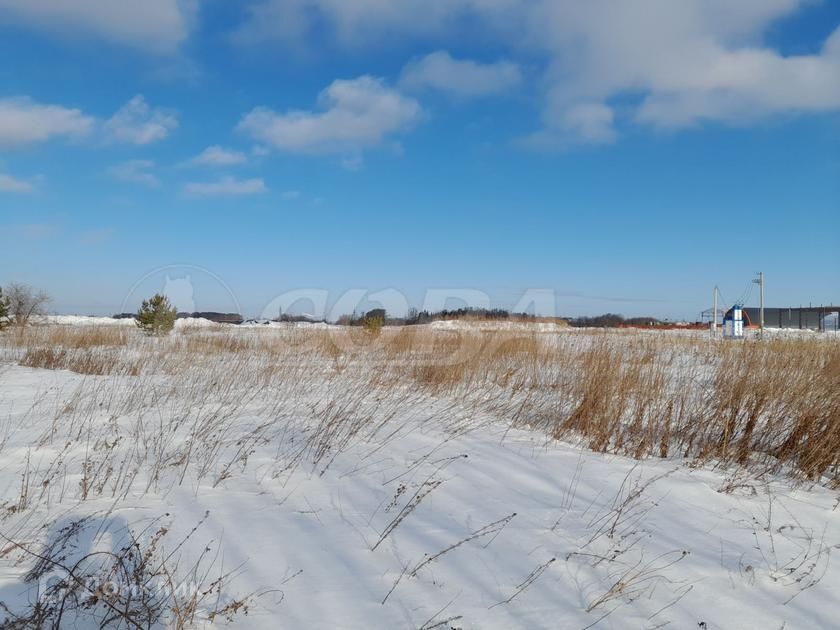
x=354, y=114
x=135, y=171
x=154, y=25
x=738, y=86
x=218, y=156
x=23, y=121
x=700, y=61
x=581, y=123
x=137, y=123
x=13, y=185
x=674, y=64
x=461, y=77
x=226, y=186
x=593, y=122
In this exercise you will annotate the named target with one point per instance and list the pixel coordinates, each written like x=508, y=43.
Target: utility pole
x=761, y=307
x=760, y=283
x=714, y=312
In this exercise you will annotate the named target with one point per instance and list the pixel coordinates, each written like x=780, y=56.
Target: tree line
x=416, y=317
x=19, y=303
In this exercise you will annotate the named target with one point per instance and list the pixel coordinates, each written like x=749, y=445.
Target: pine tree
x=156, y=316
x=4, y=310
x=374, y=320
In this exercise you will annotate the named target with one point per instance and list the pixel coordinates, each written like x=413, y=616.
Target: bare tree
x=4, y=310
x=25, y=302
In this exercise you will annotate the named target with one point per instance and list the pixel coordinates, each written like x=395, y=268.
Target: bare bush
x=25, y=302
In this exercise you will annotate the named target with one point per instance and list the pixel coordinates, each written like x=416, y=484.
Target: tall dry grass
x=771, y=404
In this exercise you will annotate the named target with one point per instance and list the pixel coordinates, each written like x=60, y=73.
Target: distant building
x=805, y=317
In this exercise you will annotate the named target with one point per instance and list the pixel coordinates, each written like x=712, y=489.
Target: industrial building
x=803, y=317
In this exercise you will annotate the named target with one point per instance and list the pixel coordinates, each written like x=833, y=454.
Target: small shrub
x=373, y=321
x=156, y=316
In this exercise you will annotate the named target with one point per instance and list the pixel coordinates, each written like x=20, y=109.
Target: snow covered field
x=301, y=477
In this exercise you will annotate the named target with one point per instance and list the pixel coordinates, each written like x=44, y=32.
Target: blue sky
x=628, y=156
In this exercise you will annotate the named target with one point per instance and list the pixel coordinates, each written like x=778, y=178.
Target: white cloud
x=582, y=123
x=738, y=86
x=355, y=114
x=461, y=77
x=25, y=122
x=14, y=185
x=592, y=122
x=290, y=194
x=226, y=186
x=698, y=61
x=154, y=25
x=137, y=123
x=674, y=64
x=218, y=156
x=136, y=171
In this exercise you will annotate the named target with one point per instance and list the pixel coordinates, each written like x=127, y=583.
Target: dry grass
x=71, y=337
x=132, y=584
x=204, y=406
x=772, y=404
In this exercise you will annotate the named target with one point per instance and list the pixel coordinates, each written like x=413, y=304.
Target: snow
x=576, y=539
x=90, y=320
x=451, y=325
x=85, y=320
x=267, y=323
x=495, y=325
x=182, y=322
